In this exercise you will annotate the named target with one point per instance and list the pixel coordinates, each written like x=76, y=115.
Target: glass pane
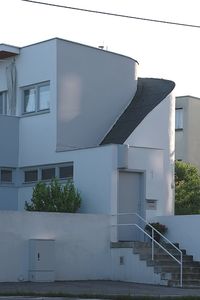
x=179, y=119
x=66, y=172
x=48, y=173
x=1, y=103
x=44, y=95
x=29, y=100
x=6, y=175
x=30, y=176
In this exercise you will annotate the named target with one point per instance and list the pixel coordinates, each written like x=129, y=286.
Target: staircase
x=167, y=267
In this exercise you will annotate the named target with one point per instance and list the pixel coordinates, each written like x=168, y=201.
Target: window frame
x=4, y=103
x=36, y=87
x=6, y=182
x=45, y=169
x=30, y=170
x=66, y=166
x=39, y=169
x=179, y=122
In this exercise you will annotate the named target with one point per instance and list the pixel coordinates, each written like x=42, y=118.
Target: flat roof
x=7, y=51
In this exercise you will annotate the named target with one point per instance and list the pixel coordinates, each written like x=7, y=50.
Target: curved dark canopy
x=150, y=92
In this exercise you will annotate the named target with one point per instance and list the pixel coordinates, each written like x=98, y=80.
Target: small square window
x=31, y=176
x=29, y=100
x=48, y=174
x=66, y=172
x=6, y=176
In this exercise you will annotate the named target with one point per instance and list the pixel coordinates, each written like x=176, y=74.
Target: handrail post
x=152, y=244
x=181, y=271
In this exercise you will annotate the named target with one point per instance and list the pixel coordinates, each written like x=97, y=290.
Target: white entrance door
x=130, y=200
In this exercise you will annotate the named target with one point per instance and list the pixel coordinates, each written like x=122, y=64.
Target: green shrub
x=54, y=197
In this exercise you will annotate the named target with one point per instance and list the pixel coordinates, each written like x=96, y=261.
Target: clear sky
x=163, y=51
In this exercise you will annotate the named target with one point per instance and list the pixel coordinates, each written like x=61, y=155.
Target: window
x=30, y=100
x=3, y=103
x=179, y=119
x=61, y=171
x=6, y=176
x=48, y=174
x=36, y=98
x=66, y=172
x=30, y=176
x=44, y=97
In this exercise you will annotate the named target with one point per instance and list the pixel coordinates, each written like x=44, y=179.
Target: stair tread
x=168, y=268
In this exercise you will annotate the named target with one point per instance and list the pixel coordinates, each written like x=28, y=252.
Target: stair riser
x=168, y=268
x=187, y=264
x=148, y=250
x=176, y=270
x=186, y=283
x=165, y=258
x=185, y=276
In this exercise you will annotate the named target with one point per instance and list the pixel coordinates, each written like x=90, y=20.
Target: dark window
x=48, y=173
x=179, y=118
x=6, y=176
x=30, y=176
x=66, y=172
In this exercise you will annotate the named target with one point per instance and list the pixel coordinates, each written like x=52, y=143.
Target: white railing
x=153, y=241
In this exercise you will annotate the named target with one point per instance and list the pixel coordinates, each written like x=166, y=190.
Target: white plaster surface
x=185, y=231
x=133, y=268
x=82, y=244
x=157, y=130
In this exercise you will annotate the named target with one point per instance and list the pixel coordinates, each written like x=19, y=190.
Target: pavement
x=92, y=288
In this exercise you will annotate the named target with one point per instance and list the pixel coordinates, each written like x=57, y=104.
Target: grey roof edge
x=150, y=92
x=188, y=96
x=77, y=43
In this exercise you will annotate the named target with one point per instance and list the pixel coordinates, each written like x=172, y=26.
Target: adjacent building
x=187, y=130
x=73, y=111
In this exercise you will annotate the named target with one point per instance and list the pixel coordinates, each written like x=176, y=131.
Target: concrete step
x=176, y=269
x=186, y=276
x=168, y=268
x=165, y=257
x=122, y=244
x=190, y=283
x=157, y=250
x=172, y=262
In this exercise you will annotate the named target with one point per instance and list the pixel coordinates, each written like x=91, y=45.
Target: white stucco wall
x=95, y=175
x=157, y=130
x=184, y=230
x=37, y=134
x=94, y=87
x=82, y=244
x=151, y=162
x=133, y=269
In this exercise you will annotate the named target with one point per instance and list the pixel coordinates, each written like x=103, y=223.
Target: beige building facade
x=187, y=136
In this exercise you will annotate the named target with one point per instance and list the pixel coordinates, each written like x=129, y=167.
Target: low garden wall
x=82, y=244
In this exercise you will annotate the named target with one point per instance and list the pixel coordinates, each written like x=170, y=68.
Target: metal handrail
x=154, y=241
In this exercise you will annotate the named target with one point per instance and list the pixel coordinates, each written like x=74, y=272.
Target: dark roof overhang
x=150, y=92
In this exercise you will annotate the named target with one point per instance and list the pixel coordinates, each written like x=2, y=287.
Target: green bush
x=187, y=189
x=54, y=197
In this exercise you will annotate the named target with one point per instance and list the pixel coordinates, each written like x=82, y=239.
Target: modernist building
x=70, y=110
x=187, y=130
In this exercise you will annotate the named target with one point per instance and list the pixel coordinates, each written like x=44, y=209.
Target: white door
x=130, y=200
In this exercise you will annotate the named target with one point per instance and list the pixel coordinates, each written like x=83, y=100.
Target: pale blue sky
x=163, y=51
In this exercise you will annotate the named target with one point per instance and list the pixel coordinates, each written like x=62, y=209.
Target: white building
x=70, y=110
